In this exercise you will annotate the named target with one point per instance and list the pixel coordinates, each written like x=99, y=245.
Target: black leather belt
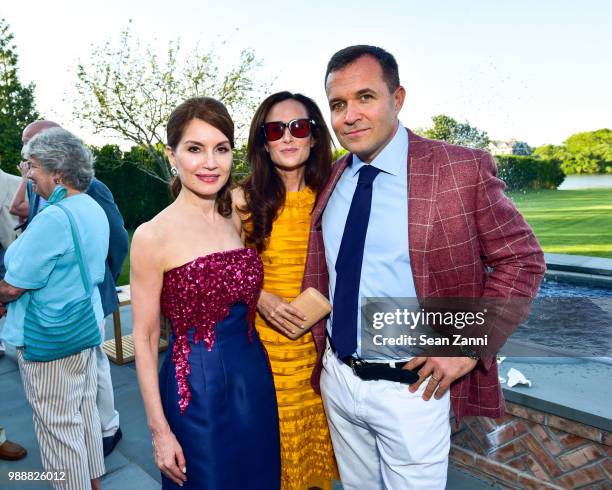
x=369, y=371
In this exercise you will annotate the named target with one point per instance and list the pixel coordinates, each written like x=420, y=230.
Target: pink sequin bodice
x=199, y=295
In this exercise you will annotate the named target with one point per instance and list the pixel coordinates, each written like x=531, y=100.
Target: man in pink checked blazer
x=444, y=228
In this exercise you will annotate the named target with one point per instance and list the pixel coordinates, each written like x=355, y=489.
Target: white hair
x=60, y=151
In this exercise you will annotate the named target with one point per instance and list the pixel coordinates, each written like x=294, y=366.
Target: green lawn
x=570, y=222
x=565, y=222
x=124, y=278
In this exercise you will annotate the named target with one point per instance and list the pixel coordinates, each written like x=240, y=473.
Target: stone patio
x=130, y=466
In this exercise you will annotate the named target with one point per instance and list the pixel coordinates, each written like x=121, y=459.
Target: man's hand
x=286, y=318
x=443, y=371
x=2, y=310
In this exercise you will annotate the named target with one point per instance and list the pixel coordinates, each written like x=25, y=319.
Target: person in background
x=9, y=451
x=26, y=204
x=8, y=187
x=289, y=151
x=46, y=275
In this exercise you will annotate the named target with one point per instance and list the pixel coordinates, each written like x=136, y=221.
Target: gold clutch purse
x=314, y=306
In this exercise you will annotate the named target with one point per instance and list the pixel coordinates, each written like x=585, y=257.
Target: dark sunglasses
x=299, y=128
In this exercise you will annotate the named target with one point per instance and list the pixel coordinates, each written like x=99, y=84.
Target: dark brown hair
x=349, y=55
x=214, y=113
x=264, y=189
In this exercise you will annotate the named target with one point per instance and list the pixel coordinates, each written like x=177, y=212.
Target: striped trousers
x=62, y=394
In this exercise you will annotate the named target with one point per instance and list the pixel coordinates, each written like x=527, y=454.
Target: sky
x=536, y=70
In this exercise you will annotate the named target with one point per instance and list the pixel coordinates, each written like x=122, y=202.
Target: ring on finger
x=437, y=380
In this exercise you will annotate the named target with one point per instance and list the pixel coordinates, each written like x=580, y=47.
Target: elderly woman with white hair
x=54, y=307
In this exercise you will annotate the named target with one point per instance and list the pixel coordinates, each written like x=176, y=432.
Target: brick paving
x=528, y=446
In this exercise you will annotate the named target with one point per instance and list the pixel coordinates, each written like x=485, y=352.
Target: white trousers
x=105, y=399
x=384, y=437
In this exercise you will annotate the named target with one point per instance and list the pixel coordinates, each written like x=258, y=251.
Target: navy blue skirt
x=229, y=433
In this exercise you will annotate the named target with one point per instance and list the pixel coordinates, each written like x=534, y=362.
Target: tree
x=127, y=91
x=241, y=167
x=582, y=153
x=338, y=153
x=593, y=149
x=17, y=106
x=447, y=129
x=551, y=151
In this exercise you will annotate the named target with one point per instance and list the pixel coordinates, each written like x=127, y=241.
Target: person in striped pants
x=45, y=268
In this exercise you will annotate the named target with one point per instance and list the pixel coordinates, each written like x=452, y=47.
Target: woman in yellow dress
x=289, y=151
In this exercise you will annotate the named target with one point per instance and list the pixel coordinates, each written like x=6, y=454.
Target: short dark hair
x=349, y=55
x=210, y=111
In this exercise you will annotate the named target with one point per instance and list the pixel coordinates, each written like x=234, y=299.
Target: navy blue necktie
x=348, y=265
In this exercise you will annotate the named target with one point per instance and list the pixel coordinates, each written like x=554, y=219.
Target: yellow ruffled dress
x=307, y=458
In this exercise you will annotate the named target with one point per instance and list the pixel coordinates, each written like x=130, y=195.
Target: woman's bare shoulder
x=155, y=231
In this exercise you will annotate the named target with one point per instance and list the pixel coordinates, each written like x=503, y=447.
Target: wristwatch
x=471, y=353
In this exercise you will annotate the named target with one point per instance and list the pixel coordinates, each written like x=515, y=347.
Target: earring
x=174, y=171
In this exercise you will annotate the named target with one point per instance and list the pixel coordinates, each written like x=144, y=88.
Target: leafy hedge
x=526, y=172
x=138, y=196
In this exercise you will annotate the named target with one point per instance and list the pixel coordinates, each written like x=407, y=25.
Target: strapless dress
x=216, y=384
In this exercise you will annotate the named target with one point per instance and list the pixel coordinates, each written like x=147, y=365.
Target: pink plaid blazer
x=460, y=223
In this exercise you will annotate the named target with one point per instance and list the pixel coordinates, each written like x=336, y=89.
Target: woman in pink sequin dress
x=212, y=411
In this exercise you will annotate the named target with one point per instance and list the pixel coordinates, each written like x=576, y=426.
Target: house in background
x=512, y=147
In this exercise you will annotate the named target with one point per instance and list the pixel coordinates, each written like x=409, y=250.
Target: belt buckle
x=356, y=365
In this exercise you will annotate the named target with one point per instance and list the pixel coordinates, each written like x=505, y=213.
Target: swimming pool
x=566, y=320
x=557, y=288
